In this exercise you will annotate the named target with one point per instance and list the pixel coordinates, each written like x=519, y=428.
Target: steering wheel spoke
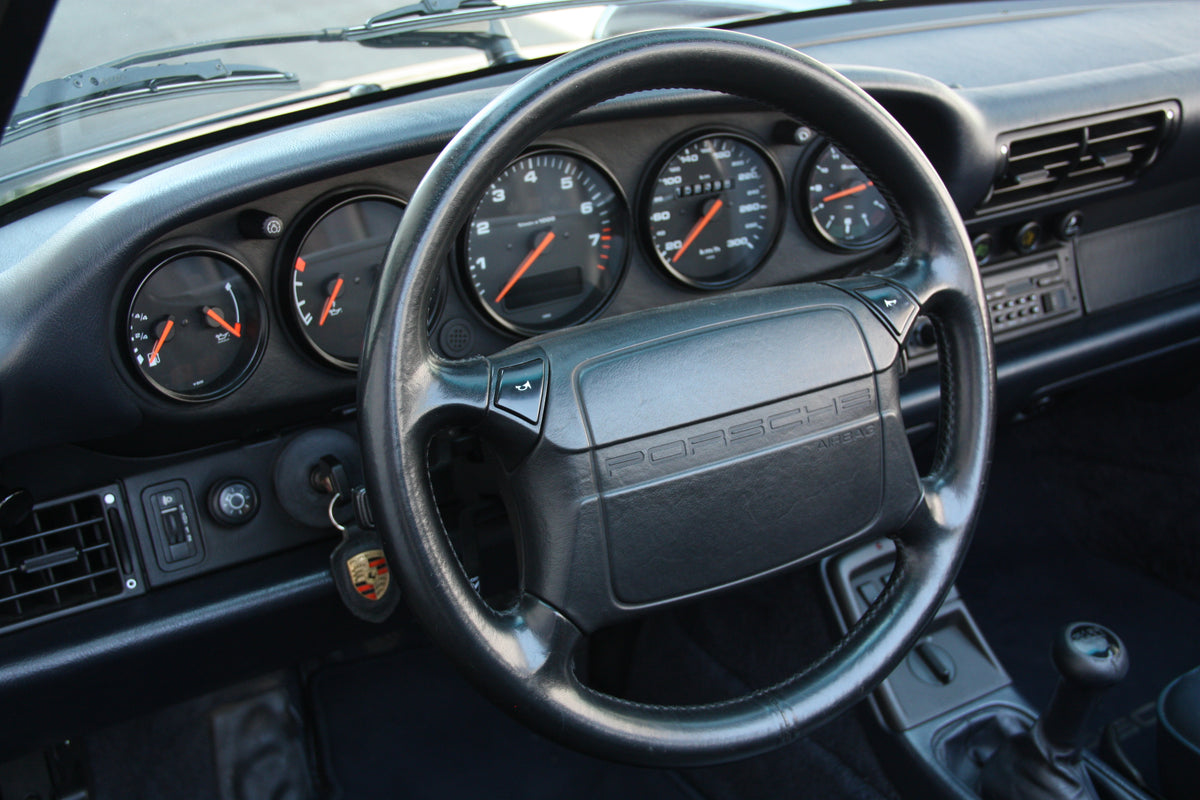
x=443, y=393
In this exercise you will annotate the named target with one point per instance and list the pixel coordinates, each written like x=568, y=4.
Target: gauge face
x=196, y=326
x=547, y=244
x=334, y=273
x=712, y=211
x=843, y=205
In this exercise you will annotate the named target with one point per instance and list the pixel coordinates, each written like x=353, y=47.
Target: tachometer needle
x=861, y=187
x=337, y=287
x=236, y=329
x=526, y=264
x=162, y=338
x=699, y=226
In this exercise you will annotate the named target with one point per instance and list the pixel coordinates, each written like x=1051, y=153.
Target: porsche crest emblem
x=369, y=574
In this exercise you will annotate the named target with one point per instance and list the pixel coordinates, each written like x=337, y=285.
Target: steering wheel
x=657, y=456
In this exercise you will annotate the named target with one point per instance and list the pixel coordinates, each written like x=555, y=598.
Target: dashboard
x=599, y=220
x=182, y=329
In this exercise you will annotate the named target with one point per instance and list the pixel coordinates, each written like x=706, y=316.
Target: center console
x=951, y=707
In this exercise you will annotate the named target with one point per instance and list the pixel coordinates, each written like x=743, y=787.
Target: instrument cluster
x=548, y=246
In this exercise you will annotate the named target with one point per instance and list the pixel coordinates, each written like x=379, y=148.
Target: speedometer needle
x=236, y=330
x=862, y=187
x=526, y=264
x=337, y=287
x=162, y=338
x=699, y=226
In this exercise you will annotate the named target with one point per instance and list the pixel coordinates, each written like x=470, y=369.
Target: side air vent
x=1078, y=156
x=66, y=555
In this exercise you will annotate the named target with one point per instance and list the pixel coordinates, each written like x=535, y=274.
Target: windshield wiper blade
x=107, y=85
x=427, y=8
x=402, y=27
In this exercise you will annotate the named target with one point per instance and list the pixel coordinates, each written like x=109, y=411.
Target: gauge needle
x=699, y=226
x=526, y=264
x=861, y=187
x=236, y=330
x=337, y=287
x=162, y=338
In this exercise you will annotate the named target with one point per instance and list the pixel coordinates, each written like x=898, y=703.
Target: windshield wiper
x=144, y=74
x=407, y=26
x=107, y=85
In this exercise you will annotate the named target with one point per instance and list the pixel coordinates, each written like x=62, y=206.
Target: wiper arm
x=402, y=27
x=108, y=85
x=427, y=8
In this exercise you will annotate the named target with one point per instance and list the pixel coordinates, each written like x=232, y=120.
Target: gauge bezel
x=298, y=233
x=462, y=271
x=229, y=386
x=646, y=191
x=800, y=183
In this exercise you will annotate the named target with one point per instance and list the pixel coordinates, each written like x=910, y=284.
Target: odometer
x=547, y=243
x=712, y=210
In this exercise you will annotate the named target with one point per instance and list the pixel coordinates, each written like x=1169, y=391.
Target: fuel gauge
x=196, y=326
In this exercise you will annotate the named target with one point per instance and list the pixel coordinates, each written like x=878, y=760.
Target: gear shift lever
x=1043, y=763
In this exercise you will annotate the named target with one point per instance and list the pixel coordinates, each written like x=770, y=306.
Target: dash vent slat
x=1078, y=156
x=63, y=556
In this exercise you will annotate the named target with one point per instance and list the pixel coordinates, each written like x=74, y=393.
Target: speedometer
x=547, y=243
x=712, y=210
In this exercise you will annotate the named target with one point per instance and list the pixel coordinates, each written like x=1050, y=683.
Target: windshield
x=114, y=77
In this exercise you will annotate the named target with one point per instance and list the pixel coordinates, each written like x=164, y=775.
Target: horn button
x=739, y=443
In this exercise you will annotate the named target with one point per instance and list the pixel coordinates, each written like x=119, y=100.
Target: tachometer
x=842, y=204
x=335, y=271
x=196, y=326
x=547, y=243
x=712, y=210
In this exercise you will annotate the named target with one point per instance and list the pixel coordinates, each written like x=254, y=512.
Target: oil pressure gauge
x=196, y=326
x=334, y=273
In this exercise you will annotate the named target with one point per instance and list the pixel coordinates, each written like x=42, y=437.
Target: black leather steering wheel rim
x=522, y=657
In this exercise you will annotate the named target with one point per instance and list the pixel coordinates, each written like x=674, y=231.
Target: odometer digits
x=547, y=243
x=711, y=211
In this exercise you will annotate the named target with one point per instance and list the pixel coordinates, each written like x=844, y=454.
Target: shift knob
x=1089, y=658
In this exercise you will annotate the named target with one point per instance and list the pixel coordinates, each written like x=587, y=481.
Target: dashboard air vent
x=66, y=554
x=1078, y=156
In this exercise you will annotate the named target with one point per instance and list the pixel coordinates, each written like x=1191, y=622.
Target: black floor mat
x=406, y=725
x=1085, y=519
x=241, y=743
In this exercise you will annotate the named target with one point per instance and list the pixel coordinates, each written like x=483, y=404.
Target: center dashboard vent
x=1078, y=156
x=65, y=555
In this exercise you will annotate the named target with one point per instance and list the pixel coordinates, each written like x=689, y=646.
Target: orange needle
x=699, y=226
x=847, y=192
x=337, y=287
x=236, y=330
x=161, y=339
x=526, y=264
